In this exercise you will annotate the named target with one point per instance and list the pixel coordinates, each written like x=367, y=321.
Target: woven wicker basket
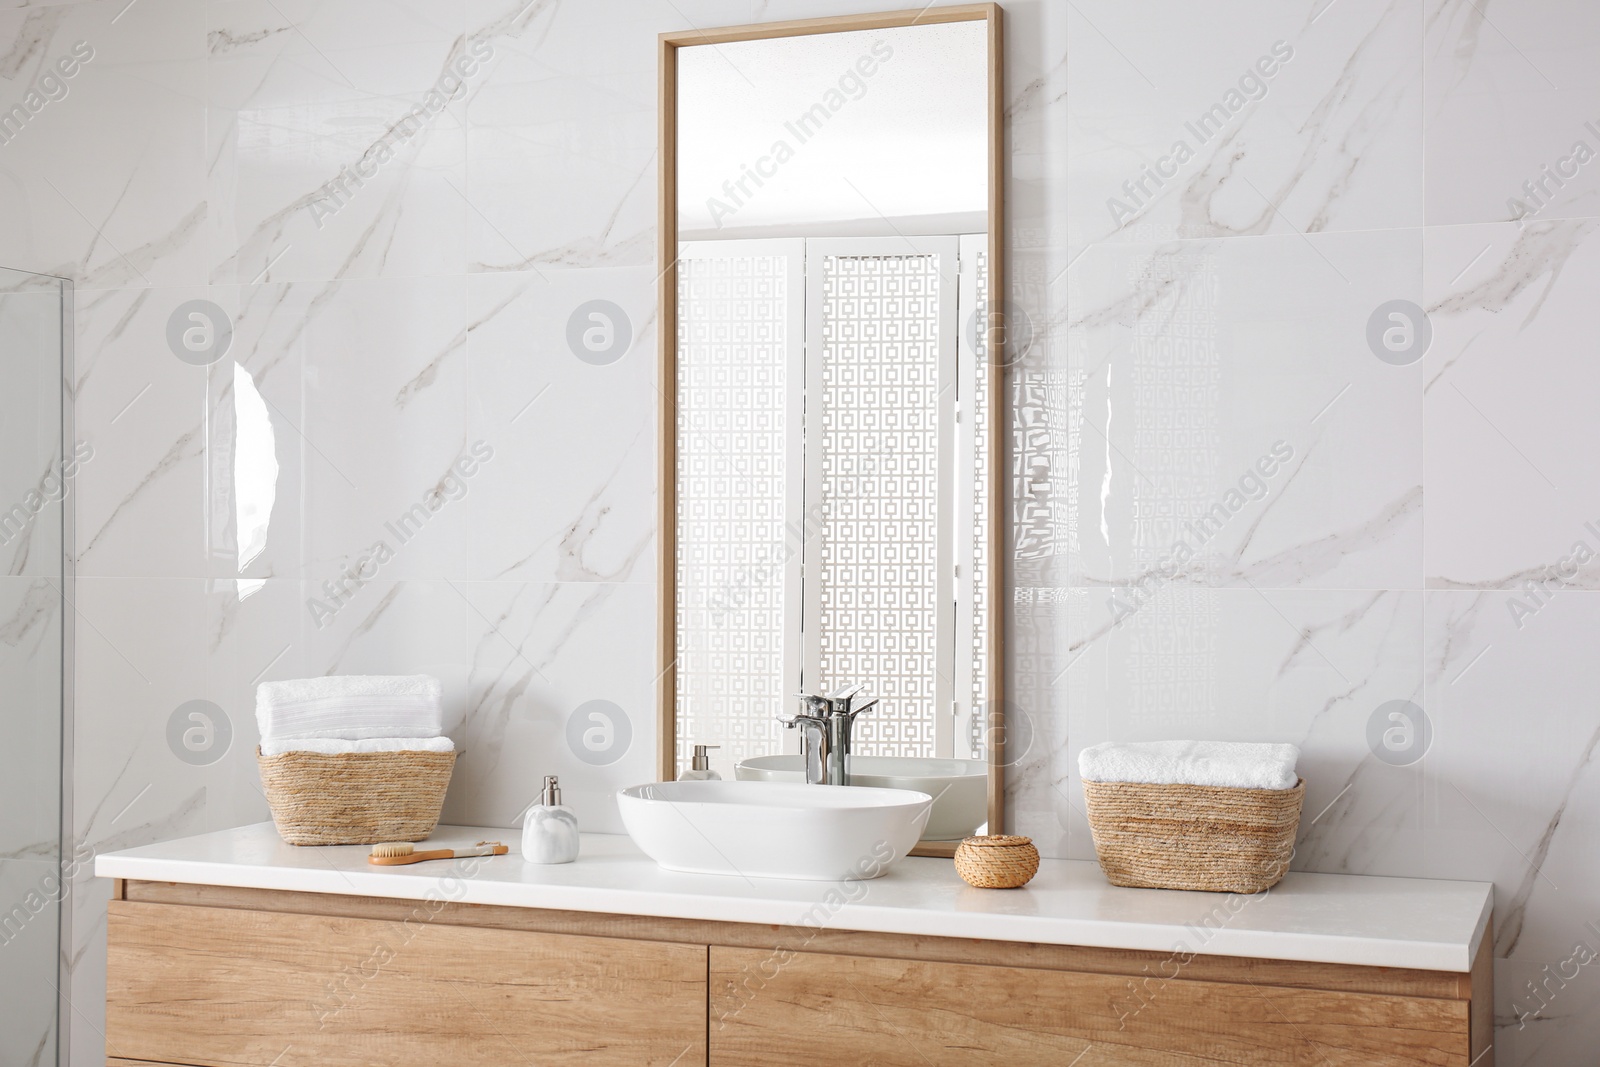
x=1001, y=861
x=1193, y=836
x=357, y=798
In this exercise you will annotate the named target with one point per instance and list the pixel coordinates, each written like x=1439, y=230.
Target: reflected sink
x=959, y=787
x=773, y=830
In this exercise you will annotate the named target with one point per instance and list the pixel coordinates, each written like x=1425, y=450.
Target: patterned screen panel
x=732, y=382
x=977, y=606
x=877, y=497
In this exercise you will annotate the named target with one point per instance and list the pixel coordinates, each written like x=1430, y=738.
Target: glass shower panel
x=33, y=522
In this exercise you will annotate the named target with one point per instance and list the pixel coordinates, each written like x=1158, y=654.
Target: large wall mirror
x=830, y=430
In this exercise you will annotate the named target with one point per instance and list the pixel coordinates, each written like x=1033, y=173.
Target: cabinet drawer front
x=784, y=1009
x=214, y=986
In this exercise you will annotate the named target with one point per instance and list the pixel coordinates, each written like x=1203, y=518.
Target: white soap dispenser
x=550, y=830
x=700, y=766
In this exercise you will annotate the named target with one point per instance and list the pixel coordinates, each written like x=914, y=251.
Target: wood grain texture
x=215, y=986
x=1481, y=992
x=924, y=16
x=667, y=411
x=1000, y=430
x=1291, y=973
x=827, y=1009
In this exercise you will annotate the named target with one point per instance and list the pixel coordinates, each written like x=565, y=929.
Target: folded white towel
x=1237, y=764
x=333, y=746
x=351, y=707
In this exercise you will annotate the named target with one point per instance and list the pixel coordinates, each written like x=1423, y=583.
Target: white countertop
x=1325, y=918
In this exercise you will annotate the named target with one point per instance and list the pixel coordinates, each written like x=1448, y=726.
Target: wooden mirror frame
x=667, y=337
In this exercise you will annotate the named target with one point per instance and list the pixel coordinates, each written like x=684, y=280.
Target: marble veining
x=27, y=629
x=1515, y=910
x=31, y=41
x=1540, y=254
x=177, y=453
x=1198, y=213
x=1327, y=141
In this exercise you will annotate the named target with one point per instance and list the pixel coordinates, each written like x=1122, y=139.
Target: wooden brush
x=393, y=854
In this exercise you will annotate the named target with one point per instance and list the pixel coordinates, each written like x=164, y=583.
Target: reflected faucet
x=825, y=727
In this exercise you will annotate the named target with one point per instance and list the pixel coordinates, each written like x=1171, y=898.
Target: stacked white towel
x=333, y=746
x=1234, y=764
x=352, y=713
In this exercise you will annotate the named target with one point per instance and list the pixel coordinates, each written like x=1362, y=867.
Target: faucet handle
x=816, y=706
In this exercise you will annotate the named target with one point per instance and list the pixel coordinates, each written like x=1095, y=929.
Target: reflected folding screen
x=820, y=385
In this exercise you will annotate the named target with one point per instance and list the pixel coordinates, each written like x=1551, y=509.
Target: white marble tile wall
x=1201, y=337
x=1431, y=542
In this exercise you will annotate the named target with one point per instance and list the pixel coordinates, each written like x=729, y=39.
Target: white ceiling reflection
x=871, y=131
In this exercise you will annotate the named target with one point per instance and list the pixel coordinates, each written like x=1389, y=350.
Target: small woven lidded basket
x=1002, y=861
x=355, y=798
x=1215, y=838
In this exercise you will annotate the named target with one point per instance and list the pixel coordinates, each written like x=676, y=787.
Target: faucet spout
x=814, y=744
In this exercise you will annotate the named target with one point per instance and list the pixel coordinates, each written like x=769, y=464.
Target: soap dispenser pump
x=700, y=766
x=550, y=829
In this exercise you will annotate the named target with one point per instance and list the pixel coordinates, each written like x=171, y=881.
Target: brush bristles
x=393, y=849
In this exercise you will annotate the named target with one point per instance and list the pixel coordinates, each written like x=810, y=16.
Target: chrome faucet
x=825, y=727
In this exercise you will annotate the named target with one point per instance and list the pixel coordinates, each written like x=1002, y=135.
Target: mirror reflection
x=831, y=403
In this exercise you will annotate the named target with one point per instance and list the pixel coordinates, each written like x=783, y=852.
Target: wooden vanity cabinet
x=857, y=1009
x=214, y=977
x=209, y=985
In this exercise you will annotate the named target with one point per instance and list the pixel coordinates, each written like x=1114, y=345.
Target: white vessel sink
x=959, y=787
x=773, y=830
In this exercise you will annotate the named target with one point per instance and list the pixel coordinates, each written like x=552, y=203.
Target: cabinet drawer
x=215, y=986
x=785, y=1009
